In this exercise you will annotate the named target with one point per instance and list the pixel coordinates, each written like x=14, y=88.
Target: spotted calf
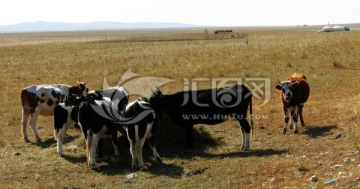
x=99, y=118
x=41, y=100
x=139, y=122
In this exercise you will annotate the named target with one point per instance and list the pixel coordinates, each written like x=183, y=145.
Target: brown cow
x=294, y=93
x=41, y=100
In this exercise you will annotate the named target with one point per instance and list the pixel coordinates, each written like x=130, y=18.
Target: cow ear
x=278, y=87
x=157, y=92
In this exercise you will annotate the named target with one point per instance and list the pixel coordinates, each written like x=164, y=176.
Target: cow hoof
x=296, y=131
x=38, y=139
x=142, y=168
x=290, y=127
x=284, y=131
x=243, y=149
x=26, y=140
x=93, y=166
x=61, y=155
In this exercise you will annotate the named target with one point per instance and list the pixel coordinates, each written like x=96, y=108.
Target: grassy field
x=327, y=148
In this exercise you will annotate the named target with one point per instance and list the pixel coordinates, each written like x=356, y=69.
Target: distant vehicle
x=223, y=31
x=334, y=28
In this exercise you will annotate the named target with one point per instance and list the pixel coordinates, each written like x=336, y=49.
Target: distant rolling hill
x=59, y=26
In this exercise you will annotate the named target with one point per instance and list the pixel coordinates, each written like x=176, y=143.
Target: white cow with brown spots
x=41, y=100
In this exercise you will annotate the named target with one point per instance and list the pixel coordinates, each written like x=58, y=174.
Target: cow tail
x=251, y=119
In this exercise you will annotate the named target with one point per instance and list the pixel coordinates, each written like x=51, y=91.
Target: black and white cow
x=210, y=106
x=139, y=122
x=66, y=114
x=41, y=100
x=99, y=118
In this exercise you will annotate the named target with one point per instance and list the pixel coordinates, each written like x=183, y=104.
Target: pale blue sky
x=201, y=12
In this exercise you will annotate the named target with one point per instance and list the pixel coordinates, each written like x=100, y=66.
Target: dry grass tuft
x=354, y=136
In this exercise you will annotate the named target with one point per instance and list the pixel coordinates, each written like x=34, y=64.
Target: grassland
x=329, y=60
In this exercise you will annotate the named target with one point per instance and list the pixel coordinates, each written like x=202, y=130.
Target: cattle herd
x=104, y=113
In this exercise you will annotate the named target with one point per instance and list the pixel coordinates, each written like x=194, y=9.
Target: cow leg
x=133, y=154
x=100, y=148
x=114, y=143
x=245, y=129
x=56, y=132
x=131, y=135
x=139, y=143
x=88, y=145
x=286, y=119
x=138, y=147
x=24, y=122
x=294, y=115
x=153, y=148
x=291, y=109
x=32, y=123
x=188, y=135
x=94, y=144
x=60, y=139
x=301, y=115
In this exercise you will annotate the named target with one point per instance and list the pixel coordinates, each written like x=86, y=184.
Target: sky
x=198, y=12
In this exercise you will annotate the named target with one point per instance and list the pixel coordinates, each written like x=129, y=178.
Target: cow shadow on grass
x=74, y=159
x=154, y=167
x=111, y=165
x=44, y=143
x=171, y=138
x=319, y=131
x=171, y=144
x=250, y=153
x=49, y=142
x=190, y=154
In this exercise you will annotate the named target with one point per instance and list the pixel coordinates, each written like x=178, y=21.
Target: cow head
x=79, y=89
x=75, y=100
x=82, y=87
x=155, y=99
x=287, y=89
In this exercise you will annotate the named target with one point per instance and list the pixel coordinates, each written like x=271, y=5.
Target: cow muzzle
x=287, y=97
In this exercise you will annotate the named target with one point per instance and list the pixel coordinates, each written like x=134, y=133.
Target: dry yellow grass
x=329, y=60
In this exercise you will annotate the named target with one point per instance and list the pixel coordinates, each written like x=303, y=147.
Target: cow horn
x=77, y=81
x=279, y=81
